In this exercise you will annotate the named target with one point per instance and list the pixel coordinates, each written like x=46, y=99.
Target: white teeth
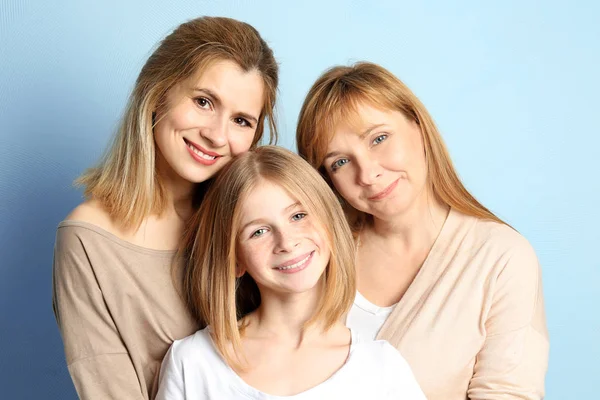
x=201, y=154
x=296, y=265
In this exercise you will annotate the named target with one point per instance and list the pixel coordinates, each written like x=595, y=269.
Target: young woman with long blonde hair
x=454, y=288
x=203, y=97
x=270, y=268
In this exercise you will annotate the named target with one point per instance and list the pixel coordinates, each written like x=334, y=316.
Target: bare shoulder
x=93, y=212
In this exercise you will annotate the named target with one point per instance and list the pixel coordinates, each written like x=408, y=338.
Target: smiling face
x=378, y=165
x=208, y=120
x=280, y=244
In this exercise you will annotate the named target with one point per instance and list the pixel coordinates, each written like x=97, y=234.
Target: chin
x=200, y=176
x=307, y=285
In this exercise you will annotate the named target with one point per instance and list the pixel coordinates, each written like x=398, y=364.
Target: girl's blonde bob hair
x=334, y=97
x=210, y=287
x=126, y=180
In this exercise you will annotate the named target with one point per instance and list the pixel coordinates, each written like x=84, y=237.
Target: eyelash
x=384, y=136
x=257, y=233
x=198, y=100
x=303, y=214
x=254, y=234
x=336, y=164
x=243, y=122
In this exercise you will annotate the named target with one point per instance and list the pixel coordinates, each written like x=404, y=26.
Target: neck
x=417, y=227
x=283, y=317
x=179, y=191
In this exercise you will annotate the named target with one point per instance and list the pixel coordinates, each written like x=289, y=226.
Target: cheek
x=317, y=233
x=342, y=182
x=252, y=255
x=416, y=166
x=417, y=151
x=240, y=142
x=162, y=139
x=166, y=126
x=182, y=118
x=396, y=157
x=323, y=244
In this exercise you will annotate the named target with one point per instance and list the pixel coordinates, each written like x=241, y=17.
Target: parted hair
x=334, y=97
x=213, y=293
x=125, y=180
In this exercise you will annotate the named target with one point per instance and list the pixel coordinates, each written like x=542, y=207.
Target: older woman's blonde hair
x=335, y=96
x=126, y=180
x=212, y=292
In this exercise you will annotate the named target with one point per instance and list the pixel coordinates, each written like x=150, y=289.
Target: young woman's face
x=209, y=120
x=280, y=244
x=378, y=166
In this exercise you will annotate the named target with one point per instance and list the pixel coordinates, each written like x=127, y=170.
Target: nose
x=215, y=132
x=367, y=172
x=286, y=241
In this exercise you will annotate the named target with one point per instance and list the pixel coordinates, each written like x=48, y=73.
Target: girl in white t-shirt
x=270, y=269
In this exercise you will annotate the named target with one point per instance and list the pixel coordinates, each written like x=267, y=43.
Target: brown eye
x=203, y=102
x=242, y=122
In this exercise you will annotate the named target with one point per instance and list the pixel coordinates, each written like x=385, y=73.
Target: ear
x=240, y=270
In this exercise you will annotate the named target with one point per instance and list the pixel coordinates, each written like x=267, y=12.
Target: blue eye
x=379, y=139
x=258, y=232
x=339, y=163
x=298, y=216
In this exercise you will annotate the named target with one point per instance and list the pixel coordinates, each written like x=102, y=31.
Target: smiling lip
x=296, y=264
x=199, y=157
x=385, y=191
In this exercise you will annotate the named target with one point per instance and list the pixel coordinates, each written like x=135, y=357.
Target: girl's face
x=379, y=166
x=209, y=120
x=280, y=244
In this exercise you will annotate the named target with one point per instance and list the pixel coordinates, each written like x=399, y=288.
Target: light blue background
x=513, y=87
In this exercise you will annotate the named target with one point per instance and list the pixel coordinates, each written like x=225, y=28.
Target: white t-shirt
x=193, y=369
x=365, y=318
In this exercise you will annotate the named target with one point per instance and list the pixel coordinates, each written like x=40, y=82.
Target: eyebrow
x=370, y=129
x=365, y=133
x=218, y=100
x=260, y=220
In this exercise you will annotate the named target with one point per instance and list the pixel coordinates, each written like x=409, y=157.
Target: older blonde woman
x=448, y=283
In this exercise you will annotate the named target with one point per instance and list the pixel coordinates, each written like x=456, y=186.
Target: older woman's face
x=378, y=165
x=209, y=120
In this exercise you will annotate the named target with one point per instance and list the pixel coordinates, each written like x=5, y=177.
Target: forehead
x=361, y=117
x=266, y=198
x=351, y=124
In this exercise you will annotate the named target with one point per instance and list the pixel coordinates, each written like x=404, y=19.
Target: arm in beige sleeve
x=97, y=359
x=513, y=361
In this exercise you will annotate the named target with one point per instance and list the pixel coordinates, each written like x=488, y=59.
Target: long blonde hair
x=125, y=180
x=335, y=96
x=212, y=292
